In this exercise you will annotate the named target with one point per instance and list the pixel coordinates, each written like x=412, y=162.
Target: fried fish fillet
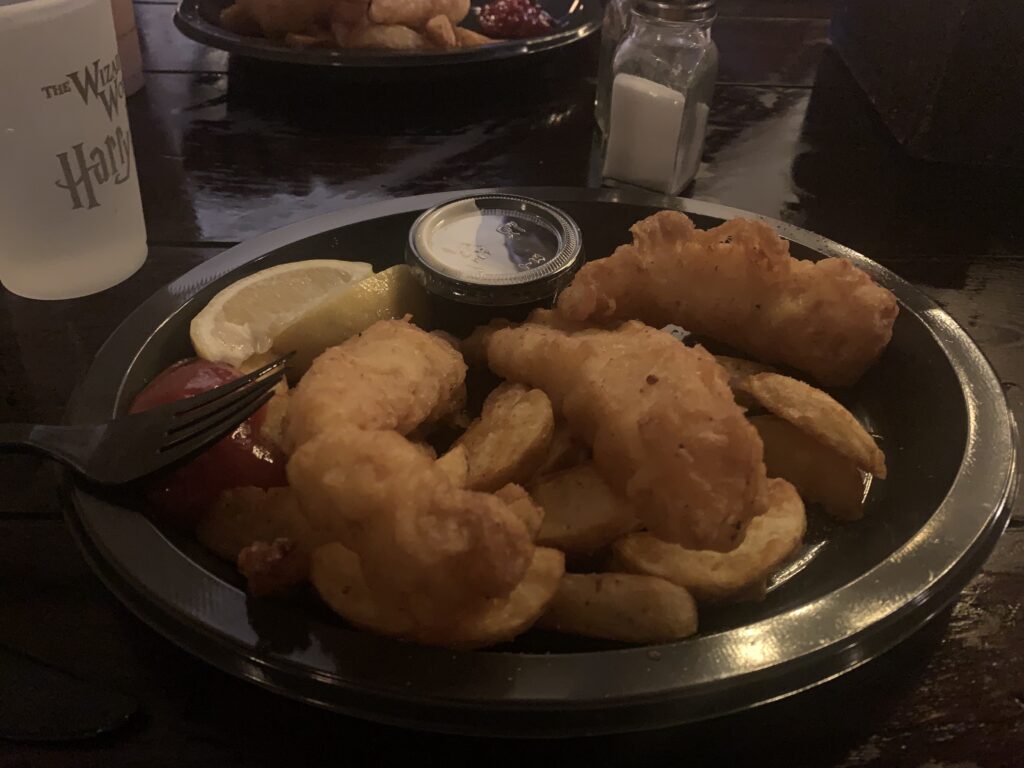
x=426, y=545
x=738, y=284
x=391, y=376
x=664, y=428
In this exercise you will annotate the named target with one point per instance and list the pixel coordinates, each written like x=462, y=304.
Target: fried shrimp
x=660, y=417
x=391, y=376
x=427, y=547
x=738, y=284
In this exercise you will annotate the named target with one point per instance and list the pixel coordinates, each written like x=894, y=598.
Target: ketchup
x=182, y=495
x=514, y=19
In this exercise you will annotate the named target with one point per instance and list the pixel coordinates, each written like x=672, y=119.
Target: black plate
x=856, y=589
x=575, y=20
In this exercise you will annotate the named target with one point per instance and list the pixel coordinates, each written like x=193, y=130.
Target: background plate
x=576, y=19
x=855, y=590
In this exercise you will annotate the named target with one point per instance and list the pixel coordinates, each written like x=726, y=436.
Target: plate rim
x=190, y=22
x=988, y=474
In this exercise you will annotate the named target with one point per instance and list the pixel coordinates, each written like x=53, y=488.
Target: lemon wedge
x=243, y=319
x=390, y=294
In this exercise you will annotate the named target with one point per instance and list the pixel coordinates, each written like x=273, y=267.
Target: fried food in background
x=394, y=375
x=660, y=418
x=416, y=13
x=336, y=574
x=629, y=608
x=770, y=539
x=467, y=38
x=820, y=474
x=397, y=25
x=582, y=514
x=819, y=415
x=510, y=439
x=440, y=33
x=738, y=284
x=393, y=37
x=276, y=18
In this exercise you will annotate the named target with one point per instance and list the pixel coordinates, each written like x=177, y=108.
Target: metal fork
x=138, y=444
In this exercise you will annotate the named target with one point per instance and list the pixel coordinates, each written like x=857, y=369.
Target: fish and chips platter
x=717, y=459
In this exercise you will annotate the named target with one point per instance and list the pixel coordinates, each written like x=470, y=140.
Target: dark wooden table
x=227, y=151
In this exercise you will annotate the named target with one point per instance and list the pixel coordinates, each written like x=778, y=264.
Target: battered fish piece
x=435, y=550
x=391, y=376
x=664, y=428
x=737, y=283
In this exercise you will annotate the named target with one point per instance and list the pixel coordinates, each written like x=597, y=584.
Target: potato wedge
x=738, y=370
x=387, y=37
x=582, y=514
x=524, y=507
x=390, y=294
x=244, y=516
x=336, y=574
x=819, y=415
x=819, y=473
x=440, y=33
x=627, y=607
x=564, y=451
x=723, y=576
x=455, y=464
x=510, y=439
x=469, y=39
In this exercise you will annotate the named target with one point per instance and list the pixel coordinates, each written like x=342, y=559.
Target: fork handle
x=68, y=445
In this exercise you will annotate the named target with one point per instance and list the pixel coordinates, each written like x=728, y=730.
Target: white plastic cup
x=70, y=212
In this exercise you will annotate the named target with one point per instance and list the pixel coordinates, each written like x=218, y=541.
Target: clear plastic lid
x=495, y=249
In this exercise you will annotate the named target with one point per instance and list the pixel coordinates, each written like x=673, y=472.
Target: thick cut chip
x=820, y=474
x=504, y=619
x=738, y=370
x=582, y=514
x=455, y=465
x=388, y=295
x=522, y=506
x=389, y=37
x=564, y=451
x=440, y=33
x=469, y=39
x=626, y=607
x=510, y=439
x=723, y=576
x=243, y=516
x=337, y=576
x=416, y=13
x=820, y=416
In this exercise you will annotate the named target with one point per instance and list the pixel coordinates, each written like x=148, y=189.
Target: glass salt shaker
x=616, y=14
x=662, y=80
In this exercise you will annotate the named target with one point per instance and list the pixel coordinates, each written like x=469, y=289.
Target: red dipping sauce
x=514, y=19
x=182, y=495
